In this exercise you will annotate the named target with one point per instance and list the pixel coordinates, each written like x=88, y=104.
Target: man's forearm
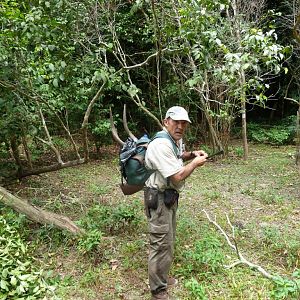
x=186, y=171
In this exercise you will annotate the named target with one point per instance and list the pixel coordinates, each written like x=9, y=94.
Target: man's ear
x=165, y=122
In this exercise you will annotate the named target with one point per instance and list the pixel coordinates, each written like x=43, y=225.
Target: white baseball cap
x=178, y=113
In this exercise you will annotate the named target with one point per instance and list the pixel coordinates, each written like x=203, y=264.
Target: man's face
x=175, y=128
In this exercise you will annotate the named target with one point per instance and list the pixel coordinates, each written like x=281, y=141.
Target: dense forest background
x=64, y=64
x=74, y=71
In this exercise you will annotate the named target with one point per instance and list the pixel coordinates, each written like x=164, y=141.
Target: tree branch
x=49, y=142
x=241, y=258
x=37, y=214
x=86, y=120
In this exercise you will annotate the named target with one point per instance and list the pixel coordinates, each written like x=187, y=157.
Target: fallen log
x=37, y=214
x=51, y=168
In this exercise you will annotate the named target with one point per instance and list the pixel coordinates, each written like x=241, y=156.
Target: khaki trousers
x=162, y=229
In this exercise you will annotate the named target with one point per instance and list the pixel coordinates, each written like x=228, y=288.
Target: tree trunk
x=206, y=107
x=50, y=142
x=213, y=134
x=242, y=79
x=16, y=154
x=84, y=126
x=51, y=168
x=27, y=151
x=37, y=214
x=244, y=130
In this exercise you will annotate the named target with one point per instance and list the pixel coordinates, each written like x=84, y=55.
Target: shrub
x=19, y=279
x=102, y=132
x=112, y=219
x=195, y=289
x=90, y=241
x=279, y=134
x=205, y=258
x=285, y=288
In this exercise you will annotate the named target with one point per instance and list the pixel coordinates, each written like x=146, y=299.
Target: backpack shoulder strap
x=164, y=134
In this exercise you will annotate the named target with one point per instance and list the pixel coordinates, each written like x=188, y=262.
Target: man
x=166, y=156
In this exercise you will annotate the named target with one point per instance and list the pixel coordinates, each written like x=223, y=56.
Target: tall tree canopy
x=64, y=63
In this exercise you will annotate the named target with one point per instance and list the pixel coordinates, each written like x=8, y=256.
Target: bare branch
x=241, y=258
x=126, y=125
x=114, y=130
x=144, y=62
x=121, y=57
x=221, y=229
x=158, y=57
x=86, y=120
x=293, y=100
x=49, y=142
x=51, y=168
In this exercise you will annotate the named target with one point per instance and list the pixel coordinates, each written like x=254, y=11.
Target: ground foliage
x=261, y=197
x=19, y=277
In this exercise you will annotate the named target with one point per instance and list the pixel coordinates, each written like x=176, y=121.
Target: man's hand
x=199, y=153
x=200, y=158
x=189, y=155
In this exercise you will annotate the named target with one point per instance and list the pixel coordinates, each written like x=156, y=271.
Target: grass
x=261, y=197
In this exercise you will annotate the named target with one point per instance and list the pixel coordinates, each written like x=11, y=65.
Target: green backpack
x=132, y=162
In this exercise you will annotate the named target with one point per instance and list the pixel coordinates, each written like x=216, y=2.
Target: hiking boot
x=172, y=281
x=163, y=295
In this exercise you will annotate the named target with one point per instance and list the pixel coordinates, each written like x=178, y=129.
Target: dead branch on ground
x=232, y=243
x=37, y=214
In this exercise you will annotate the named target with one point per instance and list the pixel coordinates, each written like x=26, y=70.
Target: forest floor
x=261, y=197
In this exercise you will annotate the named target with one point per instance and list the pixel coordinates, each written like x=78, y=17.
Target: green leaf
x=55, y=82
x=218, y=41
x=13, y=280
x=4, y=273
x=133, y=90
x=3, y=285
x=246, y=66
x=23, y=248
x=51, y=67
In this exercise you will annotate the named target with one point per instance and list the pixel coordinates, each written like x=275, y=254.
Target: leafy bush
x=205, y=258
x=102, y=132
x=112, y=219
x=61, y=142
x=285, y=288
x=280, y=134
x=195, y=289
x=19, y=278
x=90, y=241
x=103, y=220
x=238, y=151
